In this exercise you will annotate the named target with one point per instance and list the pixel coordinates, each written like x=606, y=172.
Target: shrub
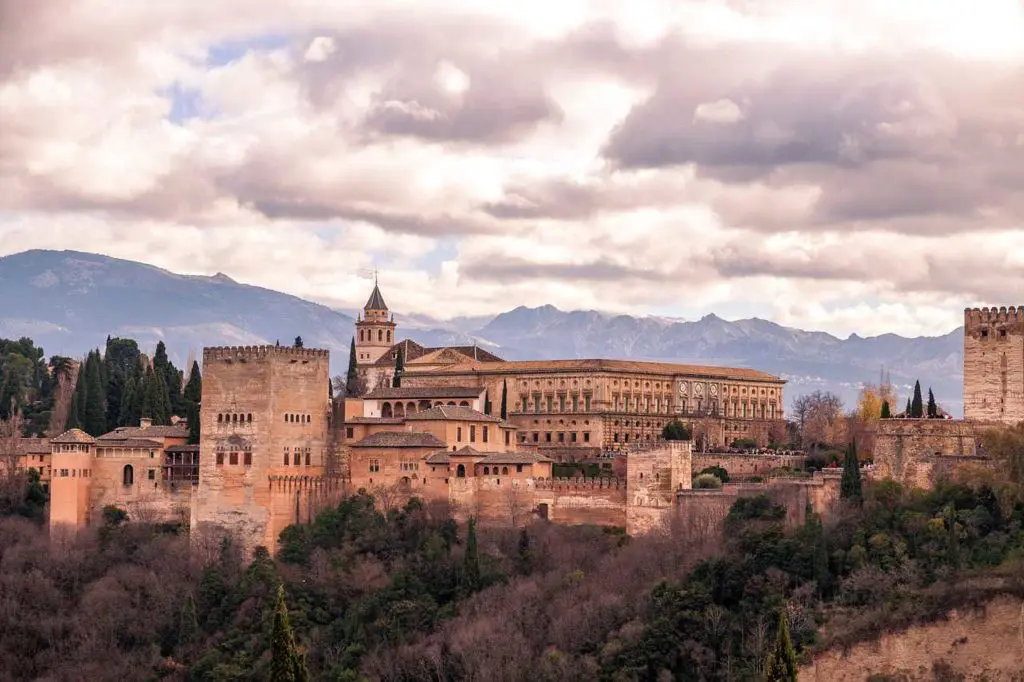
x=718, y=472
x=676, y=430
x=707, y=482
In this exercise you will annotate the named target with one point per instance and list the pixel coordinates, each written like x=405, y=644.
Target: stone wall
x=994, y=364
x=285, y=392
x=919, y=452
x=745, y=465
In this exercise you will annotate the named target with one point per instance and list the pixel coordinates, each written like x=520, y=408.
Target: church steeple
x=375, y=332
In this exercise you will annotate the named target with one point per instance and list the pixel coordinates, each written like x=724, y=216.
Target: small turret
x=375, y=329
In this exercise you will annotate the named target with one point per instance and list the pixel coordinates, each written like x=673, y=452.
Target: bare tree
x=757, y=642
x=387, y=497
x=65, y=374
x=12, y=477
x=819, y=416
x=516, y=504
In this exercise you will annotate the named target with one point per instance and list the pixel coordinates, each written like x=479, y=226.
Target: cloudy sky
x=829, y=164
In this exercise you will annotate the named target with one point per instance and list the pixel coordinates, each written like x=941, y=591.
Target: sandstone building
x=576, y=403
x=994, y=364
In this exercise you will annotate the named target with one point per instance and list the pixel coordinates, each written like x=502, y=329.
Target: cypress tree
x=850, y=483
x=933, y=409
x=298, y=342
x=504, y=399
x=188, y=626
x=781, y=665
x=94, y=416
x=194, y=388
x=885, y=410
x=471, y=562
x=821, y=571
x=193, y=423
x=396, y=381
x=917, y=405
x=286, y=663
x=907, y=413
x=127, y=400
x=524, y=561
x=352, y=377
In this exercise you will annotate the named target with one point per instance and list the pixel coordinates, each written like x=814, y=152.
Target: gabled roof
x=412, y=351
x=399, y=439
x=376, y=301
x=179, y=430
x=33, y=446
x=467, y=451
x=75, y=436
x=451, y=413
x=389, y=393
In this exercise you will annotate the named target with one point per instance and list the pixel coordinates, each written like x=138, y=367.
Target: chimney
x=145, y=423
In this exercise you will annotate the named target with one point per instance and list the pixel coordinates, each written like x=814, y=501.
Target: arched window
x=389, y=336
x=504, y=471
x=399, y=409
x=128, y=475
x=460, y=471
x=464, y=404
x=380, y=334
x=385, y=411
x=234, y=419
x=220, y=418
x=451, y=403
x=248, y=418
x=410, y=408
x=487, y=471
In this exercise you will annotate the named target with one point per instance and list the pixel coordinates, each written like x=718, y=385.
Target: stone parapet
x=236, y=352
x=601, y=482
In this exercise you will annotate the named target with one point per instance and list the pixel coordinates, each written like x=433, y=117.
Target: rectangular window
x=349, y=432
x=458, y=434
x=547, y=437
x=485, y=434
x=547, y=402
x=586, y=436
x=297, y=459
x=524, y=403
x=536, y=403
x=508, y=437
x=575, y=403
x=572, y=436
x=374, y=466
x=472, y=433
x=308, y=456
x=519, y=468
x=561, y=403
x=233, y=459
x=248, y=459
x=536, y=437
x=220, y=458
x=561, y=437
x=151, y=474
x=287, y=459
x=586, y=403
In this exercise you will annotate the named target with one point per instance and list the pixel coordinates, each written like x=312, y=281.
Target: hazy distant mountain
x=69, y=302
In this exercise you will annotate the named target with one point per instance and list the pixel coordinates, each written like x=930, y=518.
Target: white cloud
x=123, y=134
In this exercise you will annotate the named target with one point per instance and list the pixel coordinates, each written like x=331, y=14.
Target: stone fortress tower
x=265, y=436
x=994, y=364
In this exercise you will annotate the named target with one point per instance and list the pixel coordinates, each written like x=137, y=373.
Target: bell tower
x=375, y=329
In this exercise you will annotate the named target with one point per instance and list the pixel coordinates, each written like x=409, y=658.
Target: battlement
x=599, y=483
x=260, y=352
x=974, y=317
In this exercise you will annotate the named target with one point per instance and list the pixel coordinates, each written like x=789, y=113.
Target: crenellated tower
x=375, y=329
x=994, y=364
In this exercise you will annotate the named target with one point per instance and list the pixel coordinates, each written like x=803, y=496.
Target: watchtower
x=264, y=420
x=994, y=364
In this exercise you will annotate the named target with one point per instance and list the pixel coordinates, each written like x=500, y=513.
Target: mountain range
x=69, y=302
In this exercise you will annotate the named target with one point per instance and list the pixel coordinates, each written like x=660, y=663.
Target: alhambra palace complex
x=275, y=448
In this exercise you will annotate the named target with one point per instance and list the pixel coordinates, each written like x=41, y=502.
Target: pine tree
x=885, y=410
x=917, y=405
x=504, y=399
x=850, y=484
x=286, y=663
x=352, y=377
x=781, y=665
x=471, y=562
x=396, y=381
x=94, y=416
x=298, y=342
x=933, y=409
